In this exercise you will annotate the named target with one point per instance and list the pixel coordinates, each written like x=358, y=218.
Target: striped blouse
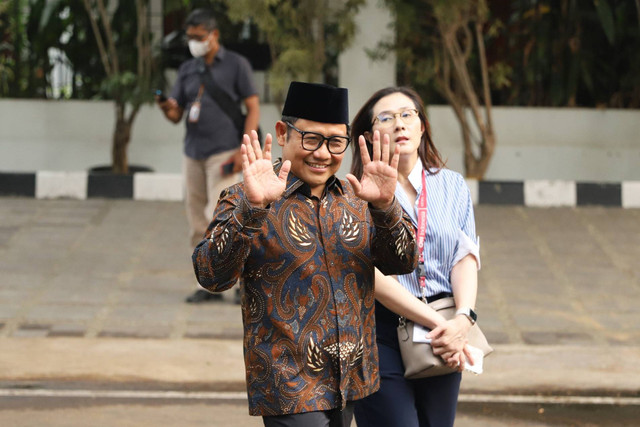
x=451, y=229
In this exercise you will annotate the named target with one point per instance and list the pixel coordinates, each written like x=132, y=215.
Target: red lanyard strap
x=422, y=234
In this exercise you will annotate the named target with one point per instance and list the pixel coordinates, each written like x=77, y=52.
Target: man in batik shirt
x=305, y=245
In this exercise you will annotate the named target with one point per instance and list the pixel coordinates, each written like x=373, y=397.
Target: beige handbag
x=418, y=358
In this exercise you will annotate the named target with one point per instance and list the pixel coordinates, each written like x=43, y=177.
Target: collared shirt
x=451, y=229
x=307, y=268
x=214, y=132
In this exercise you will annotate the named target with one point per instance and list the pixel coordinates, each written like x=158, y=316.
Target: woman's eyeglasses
x=387, y=118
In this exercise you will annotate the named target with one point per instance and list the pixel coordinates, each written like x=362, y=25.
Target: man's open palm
x=261, y=185
x=379, y=175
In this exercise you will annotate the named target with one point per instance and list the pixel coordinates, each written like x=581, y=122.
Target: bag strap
x=421, y=237
x=222, y=98
x=422, y=234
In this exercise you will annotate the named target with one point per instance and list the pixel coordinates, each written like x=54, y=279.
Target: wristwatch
x=471, y=315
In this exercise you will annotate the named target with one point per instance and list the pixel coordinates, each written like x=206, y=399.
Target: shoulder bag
x=222, y=98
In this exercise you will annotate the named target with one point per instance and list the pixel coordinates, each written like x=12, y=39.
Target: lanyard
x=422, y=234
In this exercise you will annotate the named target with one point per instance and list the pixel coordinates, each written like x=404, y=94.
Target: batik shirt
x=306, y=267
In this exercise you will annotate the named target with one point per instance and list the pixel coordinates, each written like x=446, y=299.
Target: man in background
x=208, y=88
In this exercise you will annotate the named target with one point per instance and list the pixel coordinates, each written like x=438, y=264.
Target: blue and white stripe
x=449, y=218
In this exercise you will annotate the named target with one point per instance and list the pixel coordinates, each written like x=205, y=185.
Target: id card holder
x=194, y=112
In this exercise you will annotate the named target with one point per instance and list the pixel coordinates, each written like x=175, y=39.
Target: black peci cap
x=318, y=102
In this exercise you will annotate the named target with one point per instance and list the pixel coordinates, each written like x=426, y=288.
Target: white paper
x=478, y=358
x=420, y=334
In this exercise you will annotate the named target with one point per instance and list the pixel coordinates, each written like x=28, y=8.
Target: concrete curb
x=218, y=364
x=169, y=187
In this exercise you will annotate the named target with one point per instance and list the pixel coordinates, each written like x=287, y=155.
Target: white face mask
x=198, y=48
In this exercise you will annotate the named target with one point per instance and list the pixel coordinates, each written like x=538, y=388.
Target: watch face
x=473, y=315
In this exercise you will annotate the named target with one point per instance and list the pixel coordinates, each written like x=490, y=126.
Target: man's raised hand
x=261, y=185
x=379, y=175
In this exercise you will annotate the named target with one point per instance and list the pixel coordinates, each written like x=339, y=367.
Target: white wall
x=551, y=143
x=357, y=71
x=533, y=143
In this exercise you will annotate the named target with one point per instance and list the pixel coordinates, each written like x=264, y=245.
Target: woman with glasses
x=449, y=264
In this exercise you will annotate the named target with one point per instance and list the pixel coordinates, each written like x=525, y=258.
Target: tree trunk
x=121, y=138
x=476, y=167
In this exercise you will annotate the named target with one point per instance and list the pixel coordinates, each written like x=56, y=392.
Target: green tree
x=124, y=43
x=304, y=36
x=569, y=53
x=6, y=60
x=440, y=47
x=29, y=29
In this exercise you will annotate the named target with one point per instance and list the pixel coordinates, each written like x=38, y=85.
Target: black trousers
x=332, y=418
x=427, y=402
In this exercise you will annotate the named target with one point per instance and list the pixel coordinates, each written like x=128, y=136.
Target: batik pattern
x=307, y=290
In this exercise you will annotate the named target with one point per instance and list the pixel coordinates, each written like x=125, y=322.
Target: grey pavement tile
x=30, y=333
x=32, y=330
x=496, y=336
x=6, y=233
x=59, y=234
x=181, y=281
x=150, y=296
x=506, y=255
x=72, y=281
x=68, y=330
x=488, y=320
x=61, y=312
x=578, y=247
x=13, y=262
x=92, y=262
x=226, y=330
x=624, y=339
x=608, y=302
x=536, y=301
x=514, y=275
x=160, y=260
x=141, y=313
x=214, y=312
x=541, y=319
x=16, y=280
x=601, y=286
x=9, y=310
x=618, y=321
x=148, y=331
x=16, y=294
x=555, y=338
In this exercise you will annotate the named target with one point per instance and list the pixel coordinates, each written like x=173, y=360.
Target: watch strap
x=471, y=315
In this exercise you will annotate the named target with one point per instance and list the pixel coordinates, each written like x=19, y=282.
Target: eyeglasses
x=311, y=141
x=386, y=118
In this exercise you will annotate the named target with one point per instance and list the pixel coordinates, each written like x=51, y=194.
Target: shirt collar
x=220, y=54
x=296, y=184
x=415, y=176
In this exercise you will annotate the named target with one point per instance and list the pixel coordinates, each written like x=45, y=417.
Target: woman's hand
x=450, y=337
x=457, y=360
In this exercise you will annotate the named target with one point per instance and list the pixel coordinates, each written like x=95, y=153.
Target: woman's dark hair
x=202, y=17
x=427, y=152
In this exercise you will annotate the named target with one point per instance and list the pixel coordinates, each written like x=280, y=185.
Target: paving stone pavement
x=102, y=269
